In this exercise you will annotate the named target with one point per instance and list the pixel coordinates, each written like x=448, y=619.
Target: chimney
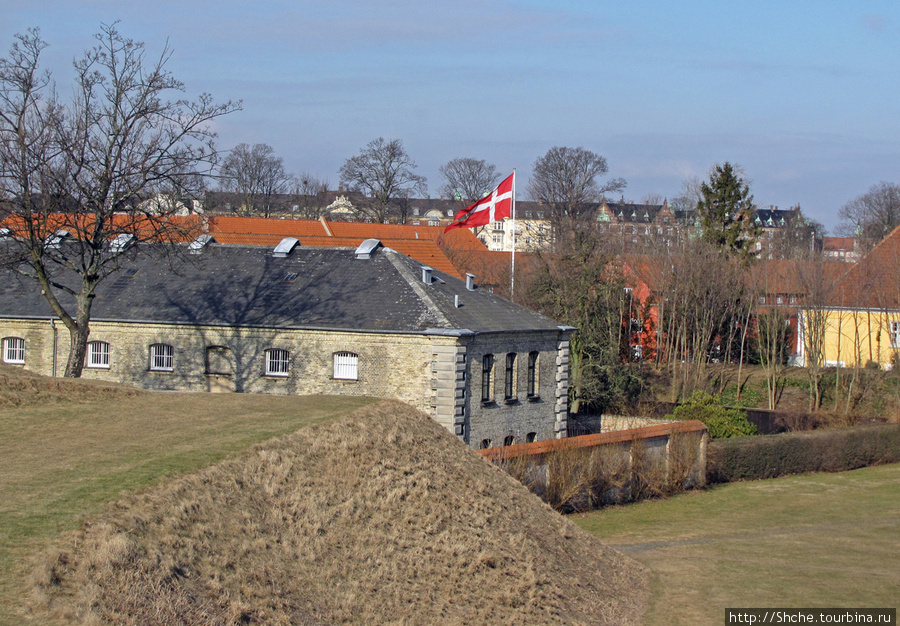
x=426, y=274
x=470, y=282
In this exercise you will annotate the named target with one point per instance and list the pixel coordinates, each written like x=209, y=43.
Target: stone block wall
x=492, y=422
x=390, y=366
x=439, y=374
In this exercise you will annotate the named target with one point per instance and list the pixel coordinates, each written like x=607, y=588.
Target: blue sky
x=803, y=95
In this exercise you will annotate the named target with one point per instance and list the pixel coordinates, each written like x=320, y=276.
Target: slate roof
x=637, y=213
x=325, y=288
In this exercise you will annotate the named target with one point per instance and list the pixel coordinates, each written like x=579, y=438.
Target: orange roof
x=383, y=231
x=873, y=281
x=169, y=228
x=265, y=226
x=838, y=243
x=424, y=250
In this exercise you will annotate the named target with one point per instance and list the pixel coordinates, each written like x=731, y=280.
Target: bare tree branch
x=95, y=167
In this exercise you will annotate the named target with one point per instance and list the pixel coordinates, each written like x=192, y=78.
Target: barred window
x=98, y=354
x=278, y=362
x=162, y=357
x=14, y=350
x=346, y=366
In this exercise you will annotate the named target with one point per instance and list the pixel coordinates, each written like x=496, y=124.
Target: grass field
x=822, y=540
x=62, y=461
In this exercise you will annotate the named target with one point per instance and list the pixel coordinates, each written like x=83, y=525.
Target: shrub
x=720, y=422
x=831, y=450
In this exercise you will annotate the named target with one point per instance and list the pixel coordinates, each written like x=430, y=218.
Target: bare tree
x=579, y=283
x=565, y=180
x=257, y=176
x=819, y=286
x=309, y=196
x=468, y=179
x=872, y=215
x=384, y=172
x=689, y=196
x=701, y=295
x=90, y=166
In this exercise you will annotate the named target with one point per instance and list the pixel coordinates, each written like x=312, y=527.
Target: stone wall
x=498, y=418
x=437, y=372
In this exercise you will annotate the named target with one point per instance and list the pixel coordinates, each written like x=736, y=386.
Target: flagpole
x=512, y=272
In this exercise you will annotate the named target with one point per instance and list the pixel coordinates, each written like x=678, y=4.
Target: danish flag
x=494, y=206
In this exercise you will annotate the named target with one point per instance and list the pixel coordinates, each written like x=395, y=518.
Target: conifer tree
x=726, y=211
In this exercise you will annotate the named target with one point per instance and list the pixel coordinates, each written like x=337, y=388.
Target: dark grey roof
x=311, y=288
x=638, y=213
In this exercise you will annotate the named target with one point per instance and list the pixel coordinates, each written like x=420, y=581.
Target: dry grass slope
x=19, y=387
x=381, y=517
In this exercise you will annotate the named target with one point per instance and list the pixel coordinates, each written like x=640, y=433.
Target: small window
x=509, y=440
x=533, y=374
x=509, y=387
x=895, y=335
x=485, y=444
x=98, y=354
x=14, y=350
x=346, y=366
x=162, y=357
x=277, y=362
x=530, y=437
x=487, y=366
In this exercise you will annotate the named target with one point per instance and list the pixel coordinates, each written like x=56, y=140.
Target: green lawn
x=822, y=540
x=62, y=462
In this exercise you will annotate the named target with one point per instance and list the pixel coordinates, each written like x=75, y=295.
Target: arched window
x=346, y=366
x=14, y=350
x=485, y=443
x=98, y=354
x=487, y=366
x=162, y=357
x=533, y=374
x=530, y=437
x=509, y=440
x=278, y=362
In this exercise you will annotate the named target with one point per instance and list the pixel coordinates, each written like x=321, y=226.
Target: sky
x=803, y=95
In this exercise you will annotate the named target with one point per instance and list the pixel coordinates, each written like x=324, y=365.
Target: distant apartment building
x=840, y=249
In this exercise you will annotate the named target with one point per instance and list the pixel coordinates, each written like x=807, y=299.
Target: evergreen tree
x=726, y=211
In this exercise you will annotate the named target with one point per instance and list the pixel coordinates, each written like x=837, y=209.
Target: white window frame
x=97, y=355
x=14, y=350
x=278, y=362
x=346, y=366
x=162, y=357
x=895, y=335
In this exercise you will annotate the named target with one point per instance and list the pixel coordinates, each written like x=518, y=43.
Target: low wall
x=610, y=423
x=588, y=471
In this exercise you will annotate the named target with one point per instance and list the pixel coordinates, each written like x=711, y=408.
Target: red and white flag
x=494, y=206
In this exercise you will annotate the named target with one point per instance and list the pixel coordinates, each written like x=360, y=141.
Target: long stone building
x=295, y=320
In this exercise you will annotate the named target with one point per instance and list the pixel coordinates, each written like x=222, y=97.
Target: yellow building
x=854, y=319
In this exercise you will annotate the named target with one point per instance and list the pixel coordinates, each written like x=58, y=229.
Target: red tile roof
x=265, y=226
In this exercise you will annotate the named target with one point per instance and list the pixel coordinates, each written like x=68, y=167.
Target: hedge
x=831, y=450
